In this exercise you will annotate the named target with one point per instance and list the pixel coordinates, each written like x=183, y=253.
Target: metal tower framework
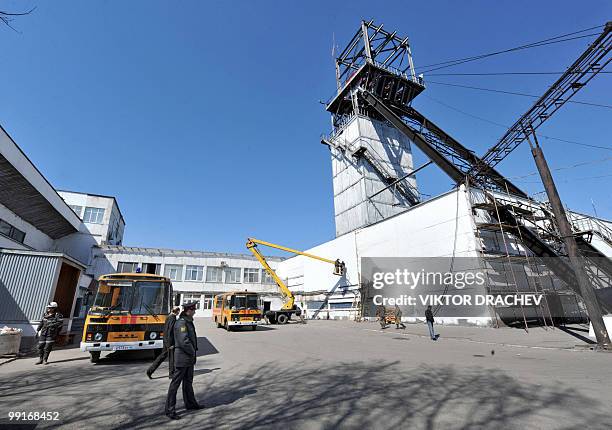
x=384, y=91
x=590, y=63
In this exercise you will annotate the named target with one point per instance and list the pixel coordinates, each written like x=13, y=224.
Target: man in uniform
x=382, y=319
x=185, y=347
x=48, y=329
x=167, y=350
x=429, y=318
x=398, y=317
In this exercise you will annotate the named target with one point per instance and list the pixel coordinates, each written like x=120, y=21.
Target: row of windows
x=178, y=272
x=11, y=231
x=91, y=215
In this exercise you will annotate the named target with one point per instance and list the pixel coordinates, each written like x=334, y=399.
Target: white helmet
x=52, y=305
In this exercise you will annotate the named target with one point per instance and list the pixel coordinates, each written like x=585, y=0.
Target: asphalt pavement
x=332, y=374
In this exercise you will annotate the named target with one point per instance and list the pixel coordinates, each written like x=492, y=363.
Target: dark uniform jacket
x=429, y=315
x=185, y=342
x=169, y=330
x=50, y=325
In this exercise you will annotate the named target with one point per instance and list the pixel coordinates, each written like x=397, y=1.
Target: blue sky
x=203, y=118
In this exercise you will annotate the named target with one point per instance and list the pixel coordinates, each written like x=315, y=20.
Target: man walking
x=167, y=349
x=48, y=329
x=398, y=318
x=430, y=322
x=382, y=318
x=185, y=347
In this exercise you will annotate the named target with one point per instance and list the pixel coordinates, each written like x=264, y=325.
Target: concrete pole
x=586, y=290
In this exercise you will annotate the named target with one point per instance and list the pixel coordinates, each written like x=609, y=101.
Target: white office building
x=197, y=276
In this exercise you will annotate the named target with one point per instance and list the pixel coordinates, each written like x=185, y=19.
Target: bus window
x=244, y=302
x=149, y=298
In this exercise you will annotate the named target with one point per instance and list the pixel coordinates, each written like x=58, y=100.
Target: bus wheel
x=94, y=356
x=226, y=325
x=282, y=319
x=218, y=323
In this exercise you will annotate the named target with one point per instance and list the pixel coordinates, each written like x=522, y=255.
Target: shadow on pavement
x=571, y=332
x=205, y=347
x=350, y=394
x=204, y=371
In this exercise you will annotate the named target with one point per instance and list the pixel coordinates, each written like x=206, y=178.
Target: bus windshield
x=244, y=302
x=136, y=298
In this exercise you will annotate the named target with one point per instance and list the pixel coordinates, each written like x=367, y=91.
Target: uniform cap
x=191, y=305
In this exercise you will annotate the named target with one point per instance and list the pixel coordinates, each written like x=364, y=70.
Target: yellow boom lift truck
x=289, y=308
x=128, y=313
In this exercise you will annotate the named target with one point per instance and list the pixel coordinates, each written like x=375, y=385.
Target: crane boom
x=290, y=298
x=251, y=245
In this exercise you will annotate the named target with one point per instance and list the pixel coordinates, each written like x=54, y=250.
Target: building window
x=76, y=209
x=194, y=273
x=232, y=275
x=93, y=215
x=208, y=301
x=251, y=276
x=174, y=272
x=191, y=298
x=151, y=268
x=341, y=305
x=125, y=267
x=266, y=278
x=214, y=274
x=11, y=231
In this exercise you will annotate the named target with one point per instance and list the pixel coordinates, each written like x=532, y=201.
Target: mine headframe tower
x=376, y=78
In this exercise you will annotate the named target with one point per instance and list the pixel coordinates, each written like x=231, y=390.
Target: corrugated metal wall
x=26, y=282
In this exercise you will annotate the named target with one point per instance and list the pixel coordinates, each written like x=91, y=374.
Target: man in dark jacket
x=430, y=322
x=167, y=349
x=382, y=317
x=185, y=347
x=48, y=329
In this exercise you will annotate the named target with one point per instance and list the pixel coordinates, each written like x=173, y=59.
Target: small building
x=44, y=247
x=100, y=214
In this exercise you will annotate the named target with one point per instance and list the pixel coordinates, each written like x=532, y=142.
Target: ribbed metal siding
x=25, y=285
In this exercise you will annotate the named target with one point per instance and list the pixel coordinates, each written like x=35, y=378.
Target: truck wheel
x=218, y=323
x=282, y=318
x=94, y=356
x=227, y=327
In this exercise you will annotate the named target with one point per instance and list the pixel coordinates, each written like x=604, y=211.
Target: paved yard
x=333, y=374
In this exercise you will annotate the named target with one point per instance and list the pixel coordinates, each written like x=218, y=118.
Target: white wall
x=441, y=227
x=112, y=215
x=34, y=238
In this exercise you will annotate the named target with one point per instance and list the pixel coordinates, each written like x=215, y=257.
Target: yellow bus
x=128, y=313
x=237, y=308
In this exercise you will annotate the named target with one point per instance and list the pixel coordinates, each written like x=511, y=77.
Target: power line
x=573, y=142
x=507, y=73
x=572, y=166
x=570, y=179
x=514, y=93
x=549, y=41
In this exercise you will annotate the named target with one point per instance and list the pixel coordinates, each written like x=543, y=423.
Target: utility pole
x=586, y=290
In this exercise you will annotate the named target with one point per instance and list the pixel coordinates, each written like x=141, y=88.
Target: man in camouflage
x=47, y=331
